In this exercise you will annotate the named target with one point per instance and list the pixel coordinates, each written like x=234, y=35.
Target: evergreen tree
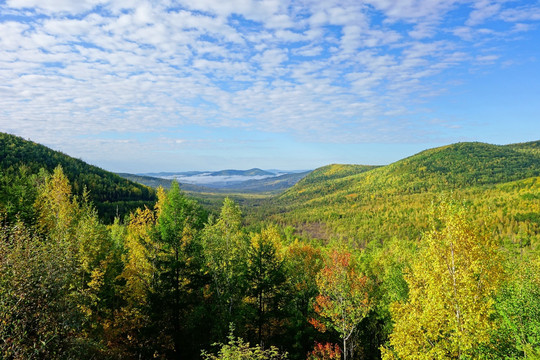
x=178, y=267
x=266, y=285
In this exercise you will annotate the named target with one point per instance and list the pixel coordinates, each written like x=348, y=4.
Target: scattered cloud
x=318, y=71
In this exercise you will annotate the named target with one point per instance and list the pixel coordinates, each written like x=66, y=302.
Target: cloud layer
x=74, y=72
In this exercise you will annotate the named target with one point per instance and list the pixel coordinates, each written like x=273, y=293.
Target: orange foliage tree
x=326, y=351
x=343, y=299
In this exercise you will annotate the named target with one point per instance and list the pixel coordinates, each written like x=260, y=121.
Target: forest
x=435, y=256
x=111, y=195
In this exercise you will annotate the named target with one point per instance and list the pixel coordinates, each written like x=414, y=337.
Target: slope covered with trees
x=395, y=198
x=449, y=167
x=111, y=194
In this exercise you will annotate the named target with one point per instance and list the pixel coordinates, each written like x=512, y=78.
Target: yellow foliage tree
x=133, y=317
x=57, y=209
x=451, y=284
x=138, y=270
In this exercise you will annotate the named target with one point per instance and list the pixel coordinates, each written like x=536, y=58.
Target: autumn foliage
x=343, y=299
x=387, y=278
x=326, y=351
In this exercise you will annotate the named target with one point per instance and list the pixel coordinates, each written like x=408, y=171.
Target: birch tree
x=451, y=283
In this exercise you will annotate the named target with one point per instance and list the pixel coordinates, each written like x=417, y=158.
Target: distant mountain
x=110, y=193
x=171, y=174
x=270, y=184
x=250, y=172
x=231, y=172
x=155, y=182
x=267, y=185
x=223, y=181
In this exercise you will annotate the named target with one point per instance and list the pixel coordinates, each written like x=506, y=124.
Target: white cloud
x=524, y=13
x=55, y=6
x=487, y=58
x=308, y=50
x=483, y=10
x=318, y=70
x=413, y=10
x=520, y=27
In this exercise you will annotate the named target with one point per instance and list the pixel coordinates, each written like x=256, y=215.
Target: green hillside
x=367, y=203
x=453, y=166
x=326, y=180
x=532, y=147
x=110, y=193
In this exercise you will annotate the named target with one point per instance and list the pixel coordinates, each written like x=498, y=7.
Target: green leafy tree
x=18, y=194
x=266, y=284
x=518, y=308
x=38, y=317
x=238, y=349
x=302, y=263
x=225, y=249
x=385, y=264
x=58, y=210
x=129, y=331
x=51, y=279
x=98, y=262
x=179, y=221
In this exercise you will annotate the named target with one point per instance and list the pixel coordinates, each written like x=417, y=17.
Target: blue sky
x=140, y=86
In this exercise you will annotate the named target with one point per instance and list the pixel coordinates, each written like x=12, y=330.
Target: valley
x=152, y=268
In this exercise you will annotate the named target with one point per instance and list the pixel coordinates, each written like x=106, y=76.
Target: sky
x=174, y=85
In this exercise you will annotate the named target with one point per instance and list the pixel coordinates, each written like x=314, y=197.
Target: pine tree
x=266, y=285
x=178, y=224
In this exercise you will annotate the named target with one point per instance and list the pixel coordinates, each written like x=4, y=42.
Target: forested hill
x=532, y=147
x=110, y=193
x=453, y=166
x=345, y=200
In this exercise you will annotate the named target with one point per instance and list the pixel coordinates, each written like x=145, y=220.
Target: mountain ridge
x=110, y=193
x=227, y=172
x=350, y=200
x=454, y=165
x=272, y=184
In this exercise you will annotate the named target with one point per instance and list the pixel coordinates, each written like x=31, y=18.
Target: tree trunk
x=176, y=306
